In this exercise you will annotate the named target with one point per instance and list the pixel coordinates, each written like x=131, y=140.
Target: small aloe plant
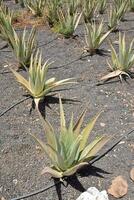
x=131, y=5
x=52, y=10
x=4, y=9
x=121, y=63
x=69, y=150
x=94, y=37
x=115, y=15
x=102, y=4
x=37, y=7
x=121, y=5
x=89, y=8
x=73, y=6
x=68, y=22
x=21, y=44
x=37, y=84
x=6, y=25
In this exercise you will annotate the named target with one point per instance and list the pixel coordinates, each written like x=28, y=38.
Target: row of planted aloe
x=68, y=151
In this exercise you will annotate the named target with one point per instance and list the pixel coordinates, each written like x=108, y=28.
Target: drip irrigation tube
x=15, y=104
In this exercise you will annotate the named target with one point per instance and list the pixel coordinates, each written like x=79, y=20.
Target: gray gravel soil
x=21, y=161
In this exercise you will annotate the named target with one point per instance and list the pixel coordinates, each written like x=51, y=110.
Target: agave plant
x=121, y=63
x=102, y=6
x=67, y=22
x=37, y=7
x=89, y=8
x=37, y=84
x=69, y=150
x=94, y=37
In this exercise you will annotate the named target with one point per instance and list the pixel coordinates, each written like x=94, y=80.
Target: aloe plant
x=23, y=46
x=37, y=84
x=102, y=4
x=4, y=8
x=69, y=150
x=9, y=14
x=6, y=29
x=121, y=63
x=116, y=14
x=131, y=5
x=37, y=7
x=52, y=9
x=94, y=37
x=67, y=22
x=89, y=8
x=73, y=6
x=122, y=6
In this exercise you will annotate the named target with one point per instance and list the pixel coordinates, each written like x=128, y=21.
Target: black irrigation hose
x=111, y=148
x=91, y=162
x=82, y=56
x=37, y=192
x=15, y=104
x=49, y=42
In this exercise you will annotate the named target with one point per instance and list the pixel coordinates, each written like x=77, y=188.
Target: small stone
x=103, y=195
x=122, y=142
x=15, y=181
x=93, y=191
x=86, y=196
x=102, y=124
x=119, y=187
x=5, y=66
x=93, y=194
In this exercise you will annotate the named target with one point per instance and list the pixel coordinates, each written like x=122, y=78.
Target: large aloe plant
x=69, y=150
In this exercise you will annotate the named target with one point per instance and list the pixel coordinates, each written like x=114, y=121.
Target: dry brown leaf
x=119, y=187
x=111, y=75
x=114, y=74
x=132, y=174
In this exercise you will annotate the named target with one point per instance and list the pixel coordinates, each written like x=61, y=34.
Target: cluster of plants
x=69, y=150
